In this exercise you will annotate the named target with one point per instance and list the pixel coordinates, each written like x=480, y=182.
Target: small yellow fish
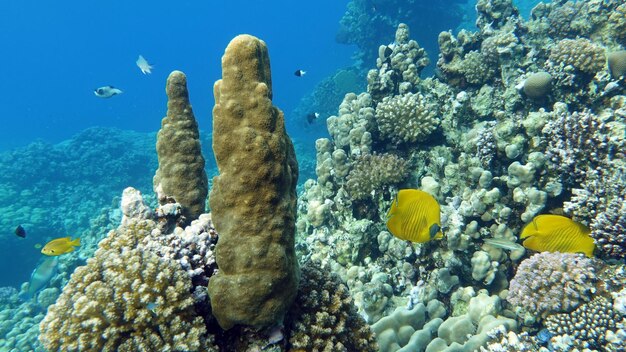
x=556, y=233
x=60, y=246
x=414, y=216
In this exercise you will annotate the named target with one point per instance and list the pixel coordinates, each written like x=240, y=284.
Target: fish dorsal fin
x=393, y=208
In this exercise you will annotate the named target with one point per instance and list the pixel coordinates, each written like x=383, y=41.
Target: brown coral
x=324, y=317
x=126, y=298
x=374, y=172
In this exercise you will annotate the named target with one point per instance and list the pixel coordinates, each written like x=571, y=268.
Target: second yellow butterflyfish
x=414, y=216
x=60, y=246
x=556, y=233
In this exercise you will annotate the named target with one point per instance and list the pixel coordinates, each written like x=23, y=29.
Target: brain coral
x=325, y=319
x=126, y=298
x=581, y=53
x=552, y=282
x=373, y=172
x=537, y=86
x=406, y=118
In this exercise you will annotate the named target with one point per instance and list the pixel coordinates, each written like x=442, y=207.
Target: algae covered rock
x=253, y=200
x=181, y=172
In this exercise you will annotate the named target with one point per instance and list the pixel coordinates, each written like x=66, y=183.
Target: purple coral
x=549, y=283
x=577, y=142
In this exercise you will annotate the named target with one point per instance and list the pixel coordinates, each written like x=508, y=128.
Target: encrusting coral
x=181, y=172
x=253, y=200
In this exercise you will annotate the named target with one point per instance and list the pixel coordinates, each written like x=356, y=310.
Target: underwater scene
x=333, y=176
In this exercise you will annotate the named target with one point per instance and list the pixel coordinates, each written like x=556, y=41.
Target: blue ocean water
x=66, y=155
x=57, y=54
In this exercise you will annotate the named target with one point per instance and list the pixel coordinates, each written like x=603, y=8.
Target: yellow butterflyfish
x=60, y=246
x=556, y=233
x=414, y=216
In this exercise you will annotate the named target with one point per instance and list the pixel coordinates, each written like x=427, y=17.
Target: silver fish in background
x=40, y=277
x=106, y=91
x=143, y=65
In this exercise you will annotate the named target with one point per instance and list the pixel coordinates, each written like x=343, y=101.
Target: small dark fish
x=312, y=117
x=300, y=73
x=20, y=232
x=106, y=91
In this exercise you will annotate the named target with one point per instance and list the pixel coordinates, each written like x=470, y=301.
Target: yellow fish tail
x=75, y=242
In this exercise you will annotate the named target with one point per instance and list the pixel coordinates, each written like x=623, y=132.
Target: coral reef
x=368, y=23
x=181, y=174
x=526, y=120
x=373, y=172
x=324, y=317
x=592, y=325
x=406, y=118
x=126, y=298
x=552, y=282
x=253, y=200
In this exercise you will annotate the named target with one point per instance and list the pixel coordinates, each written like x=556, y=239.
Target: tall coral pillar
x=181, y=172
x=253, y=200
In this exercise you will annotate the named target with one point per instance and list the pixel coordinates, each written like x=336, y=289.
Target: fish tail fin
x=76, y=242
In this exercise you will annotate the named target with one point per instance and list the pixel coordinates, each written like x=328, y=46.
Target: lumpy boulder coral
x=537, y=86
x=181, y=172
x=253, y=200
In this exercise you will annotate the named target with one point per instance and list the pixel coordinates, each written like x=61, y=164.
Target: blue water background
x=54, y=54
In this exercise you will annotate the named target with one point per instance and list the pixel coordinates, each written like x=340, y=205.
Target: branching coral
x=324, y=317
x=406, y=118
x=552, y=282
x=582, y=54
x=373, y=172
x=589, y=323
x=577, y=142
x=126, y=298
